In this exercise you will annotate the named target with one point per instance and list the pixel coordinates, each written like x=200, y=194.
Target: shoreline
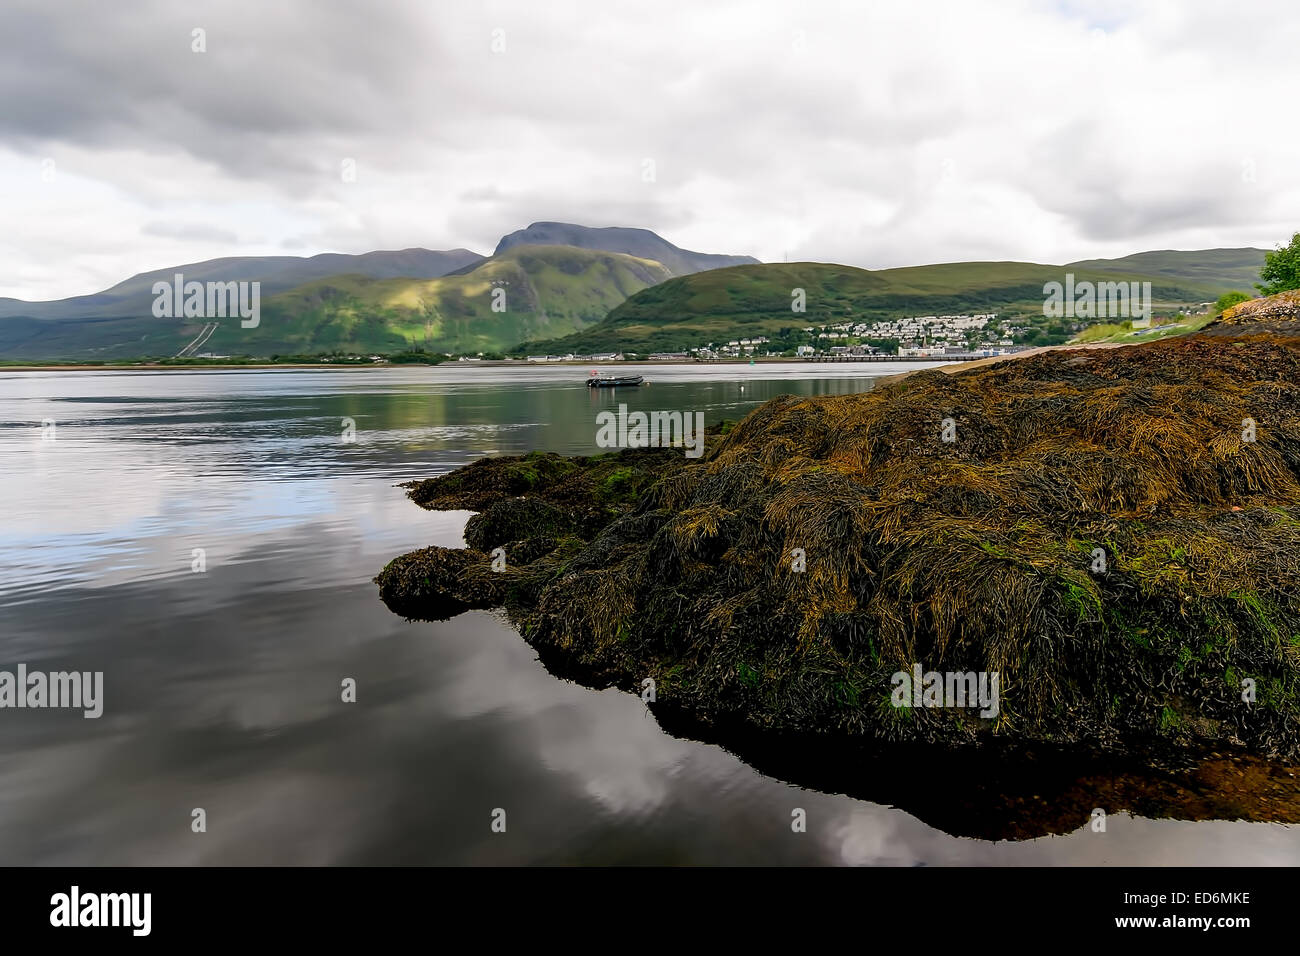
x=148, y=367
x=948, y=365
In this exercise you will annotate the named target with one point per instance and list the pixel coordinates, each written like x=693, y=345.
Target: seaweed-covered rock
x=1114, y=533
x=488, y=480
x=438, y=583
x=516, y=519
x=1277, y=313
x=529, y=549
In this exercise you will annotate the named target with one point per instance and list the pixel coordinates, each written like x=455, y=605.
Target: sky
x=895, y=132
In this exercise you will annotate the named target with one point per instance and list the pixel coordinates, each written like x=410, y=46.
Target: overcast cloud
x=876, y=134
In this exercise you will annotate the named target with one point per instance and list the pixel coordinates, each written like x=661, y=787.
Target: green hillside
x=1230, y=268
x=743, y=301
x=549, y=291
x=563, y=298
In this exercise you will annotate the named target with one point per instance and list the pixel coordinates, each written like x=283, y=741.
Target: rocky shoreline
x=1114, y=534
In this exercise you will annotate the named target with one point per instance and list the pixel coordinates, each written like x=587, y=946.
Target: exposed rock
x=1276, y=313
x=1115, y=533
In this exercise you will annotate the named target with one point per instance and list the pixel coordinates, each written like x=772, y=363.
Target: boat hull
x=615, y=382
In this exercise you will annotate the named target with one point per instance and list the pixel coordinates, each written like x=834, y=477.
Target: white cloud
x=879, y=135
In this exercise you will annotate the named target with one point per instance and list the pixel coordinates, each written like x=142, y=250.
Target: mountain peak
x=641, y=243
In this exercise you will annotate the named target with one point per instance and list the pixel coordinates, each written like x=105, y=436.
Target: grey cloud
x=1068, y=141
x=100, y=75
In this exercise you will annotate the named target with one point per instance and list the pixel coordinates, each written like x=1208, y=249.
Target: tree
x=1281, y=271
x=1228, y=300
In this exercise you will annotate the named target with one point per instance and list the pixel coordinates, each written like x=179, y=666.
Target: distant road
x=202, y=337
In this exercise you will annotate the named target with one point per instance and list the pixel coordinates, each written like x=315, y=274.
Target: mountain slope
x=548, y=291
x=1232, y=268
x=743, y=301
x=559, y=297
x=133, y=297
x=641, y=243
x=558, y=293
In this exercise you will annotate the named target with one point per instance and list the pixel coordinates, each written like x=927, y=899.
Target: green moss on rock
x=977, y=554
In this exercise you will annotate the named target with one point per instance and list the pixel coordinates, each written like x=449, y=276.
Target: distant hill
x=560, y=278
x=743, y=301
x=549, y=291
x=134, y=296
x=1229, y=268
x=119, y=323
x=568, y=289
x=641, y=243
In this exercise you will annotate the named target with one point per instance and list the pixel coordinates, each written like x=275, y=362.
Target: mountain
x=566, y=287
x=1237, y=268
x=560, y=278
x=548, y=291
x=133, y=297
x=641, y=243
x=743, y=301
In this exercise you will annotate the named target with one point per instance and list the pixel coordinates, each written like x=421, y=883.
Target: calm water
x=222, y=688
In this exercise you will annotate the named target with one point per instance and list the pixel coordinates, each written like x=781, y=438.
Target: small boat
x=613, y=381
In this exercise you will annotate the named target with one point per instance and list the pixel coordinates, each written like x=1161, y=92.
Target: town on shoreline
x=950, y=339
